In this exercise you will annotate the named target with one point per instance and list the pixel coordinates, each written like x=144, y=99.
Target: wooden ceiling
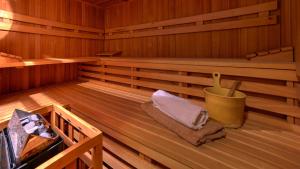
x=104, y=3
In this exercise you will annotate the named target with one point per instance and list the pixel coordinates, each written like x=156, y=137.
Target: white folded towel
x=180, y=109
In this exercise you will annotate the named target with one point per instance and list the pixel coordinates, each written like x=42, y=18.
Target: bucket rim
x=207, y=92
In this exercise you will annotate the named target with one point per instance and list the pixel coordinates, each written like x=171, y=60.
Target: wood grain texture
x=277, y=148
x=234, y=43
x=296, y=32
x=36, y=46
x=200, y=23
x=268, y=89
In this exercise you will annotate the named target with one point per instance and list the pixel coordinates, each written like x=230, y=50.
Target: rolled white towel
x=180, y=109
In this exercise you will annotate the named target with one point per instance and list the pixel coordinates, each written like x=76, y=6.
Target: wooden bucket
x=227, y=110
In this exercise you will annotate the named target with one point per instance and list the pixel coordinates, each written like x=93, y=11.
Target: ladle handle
x=235, y=85
x=216, y=78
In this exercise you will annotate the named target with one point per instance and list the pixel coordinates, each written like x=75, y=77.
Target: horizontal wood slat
x=46, y=27
x=270, y=89
x=242, y=63
x=126, y=154
x=263, y=104
x=205, y=17
x=266, y=87
x=199, y=28
x=199, y=23
x=47, y=61
x=45, y=22
x=227, y=70
x=140, y=134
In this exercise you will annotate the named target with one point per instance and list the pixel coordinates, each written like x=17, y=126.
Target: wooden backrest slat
x=275, y=74
x=242, y=63
x=249, y=86
x=227, y=19
x=255, y=102
x=204, y=17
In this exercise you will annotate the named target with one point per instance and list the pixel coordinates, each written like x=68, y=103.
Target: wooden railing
x=228, y=19
x=46, y=27
x=269, y=86
x=47, y=61
x=83, y=140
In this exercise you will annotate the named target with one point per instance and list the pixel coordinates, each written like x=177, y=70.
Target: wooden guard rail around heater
x=270, y=86
x=46, y=27
x=82, y=139
x=257, y=15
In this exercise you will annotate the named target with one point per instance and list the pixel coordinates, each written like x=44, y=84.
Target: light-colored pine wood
x=47, y=61
x=199, y=28
x=297, y=37
x=238, y=149
x=290, y=102
x=158, y=77
x=66, y=31
x=60, y=16
x=205, y=17
x=234, y=43
x=75, y=150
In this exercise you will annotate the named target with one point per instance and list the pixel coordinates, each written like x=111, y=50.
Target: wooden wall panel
x=295, y=15
x=220, y=44
x=30, y=46
x=295, y=31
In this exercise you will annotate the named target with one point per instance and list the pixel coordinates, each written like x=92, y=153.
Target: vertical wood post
x=290, y=101
x=181, y=84
x=132, y=77
x=103, y=67
x=297, y=42
x=297, y=102
x=97, y=157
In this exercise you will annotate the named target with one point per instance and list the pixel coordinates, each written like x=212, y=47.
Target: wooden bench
x=132, y=139
x=111, y=101
x=270, y=86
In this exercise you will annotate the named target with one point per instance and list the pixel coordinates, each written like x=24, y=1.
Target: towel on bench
x=212, y=130
x=181, y=110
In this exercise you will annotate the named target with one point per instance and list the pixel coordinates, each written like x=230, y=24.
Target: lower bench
x=131, y=139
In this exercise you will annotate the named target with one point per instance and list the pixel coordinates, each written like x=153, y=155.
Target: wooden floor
x=255, y=145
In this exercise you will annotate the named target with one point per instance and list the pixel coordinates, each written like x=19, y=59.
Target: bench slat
x=270, y=89
x=105, y=111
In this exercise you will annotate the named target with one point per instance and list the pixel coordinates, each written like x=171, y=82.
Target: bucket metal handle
x=216, y=78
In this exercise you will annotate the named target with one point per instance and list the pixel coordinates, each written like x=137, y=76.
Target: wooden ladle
x=234, y=86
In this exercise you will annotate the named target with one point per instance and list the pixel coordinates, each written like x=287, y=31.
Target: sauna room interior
x=150, y=84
